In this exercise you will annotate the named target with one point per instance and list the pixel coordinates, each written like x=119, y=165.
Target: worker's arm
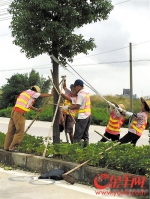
x=46, y=94
x=35, y=109
x=64, y=85
x=72, y=107
x=66, y=97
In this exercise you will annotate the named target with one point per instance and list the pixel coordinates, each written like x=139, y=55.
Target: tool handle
x=89, y=160
x=102, y=135
x=38, y=114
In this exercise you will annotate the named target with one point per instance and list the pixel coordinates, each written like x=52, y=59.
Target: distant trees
x=19, y=82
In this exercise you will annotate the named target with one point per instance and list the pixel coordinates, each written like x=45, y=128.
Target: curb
x=84, y=174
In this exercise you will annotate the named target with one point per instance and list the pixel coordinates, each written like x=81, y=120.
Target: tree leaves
x=20, y=82
x=37, y=24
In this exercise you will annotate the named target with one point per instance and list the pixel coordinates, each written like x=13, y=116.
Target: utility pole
x=131, y=87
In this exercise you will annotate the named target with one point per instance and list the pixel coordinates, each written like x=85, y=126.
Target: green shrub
x=123, y=157
x=5, y=112
x=2, y=139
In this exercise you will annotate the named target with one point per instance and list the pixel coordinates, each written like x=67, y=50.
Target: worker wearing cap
x=67, y=91
x=115, y=122
x=83, y=105
x=70, y=97
x=22, y=106
x=137, y=123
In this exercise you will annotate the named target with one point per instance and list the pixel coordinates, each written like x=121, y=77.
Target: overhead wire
x=26, y=68
x=38, y=67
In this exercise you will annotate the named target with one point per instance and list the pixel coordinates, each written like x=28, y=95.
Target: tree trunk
x=56, y=133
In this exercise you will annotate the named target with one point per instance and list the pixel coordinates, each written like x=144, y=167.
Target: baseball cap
x=78, y=82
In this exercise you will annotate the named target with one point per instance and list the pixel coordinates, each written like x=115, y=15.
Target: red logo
x=104, y=180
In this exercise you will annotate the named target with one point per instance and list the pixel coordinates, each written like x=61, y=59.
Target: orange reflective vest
x=114, y=124
x=87, y=109
x=139, y=128
x=23, y=99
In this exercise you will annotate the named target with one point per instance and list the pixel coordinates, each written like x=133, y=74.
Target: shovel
x=70, y=179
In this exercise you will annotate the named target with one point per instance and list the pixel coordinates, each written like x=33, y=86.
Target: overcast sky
x=107, y=67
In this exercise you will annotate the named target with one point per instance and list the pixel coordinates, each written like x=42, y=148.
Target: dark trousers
x=110, y=136
x=82, y=129
x=129, y=137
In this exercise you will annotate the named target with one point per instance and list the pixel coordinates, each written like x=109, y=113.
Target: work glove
x=129, y=114
x=110, y=104
x=121, y=110
x=65, y=107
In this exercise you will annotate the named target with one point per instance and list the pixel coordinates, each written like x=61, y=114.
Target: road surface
x=16, y=184
x=39, y=128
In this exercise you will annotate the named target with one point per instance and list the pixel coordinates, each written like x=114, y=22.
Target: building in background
x=126, y=93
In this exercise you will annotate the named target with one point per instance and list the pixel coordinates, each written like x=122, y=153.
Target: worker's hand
x=38, y=110
x=52, y=91
x=135, y=115
x=108, y=105
x=65, y=107
x=111, y=104
x=122, y=111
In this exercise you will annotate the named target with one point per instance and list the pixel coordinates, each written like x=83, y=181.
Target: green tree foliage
x=47, y=26
x=20, y=82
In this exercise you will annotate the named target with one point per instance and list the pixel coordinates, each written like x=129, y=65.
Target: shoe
x=6, y=149
x=13, y=150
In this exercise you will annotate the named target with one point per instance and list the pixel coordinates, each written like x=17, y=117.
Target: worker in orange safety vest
x=137, y=124
x=115, y=122
x=23, y=105
x=68, y=117
x=83, y=105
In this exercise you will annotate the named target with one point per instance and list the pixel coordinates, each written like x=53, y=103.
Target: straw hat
x=121, y=106
x=36, y=88
x=146, y=104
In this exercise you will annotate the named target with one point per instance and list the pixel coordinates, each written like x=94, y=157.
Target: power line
x=103, y=52
x=41, y=66
x=115, y=62
x=27, y=68
x=5, y=34
x=121, y=2
x=6, y=18
x=140, y=43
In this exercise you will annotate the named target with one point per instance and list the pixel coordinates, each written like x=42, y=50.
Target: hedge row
x=123, y=157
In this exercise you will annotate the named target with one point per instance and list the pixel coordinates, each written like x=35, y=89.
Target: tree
x=19, y=82
x=47, y=26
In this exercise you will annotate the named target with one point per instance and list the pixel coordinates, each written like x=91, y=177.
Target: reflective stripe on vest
x=73, y=112
x=87, y=109
x=114, y=124
x=23, y=100
x=140, y=129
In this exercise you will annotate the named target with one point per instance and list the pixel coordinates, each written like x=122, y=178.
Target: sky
x=107, y=67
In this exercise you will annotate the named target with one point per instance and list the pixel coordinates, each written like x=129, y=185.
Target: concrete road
x=16, y=184
x=39, y=128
